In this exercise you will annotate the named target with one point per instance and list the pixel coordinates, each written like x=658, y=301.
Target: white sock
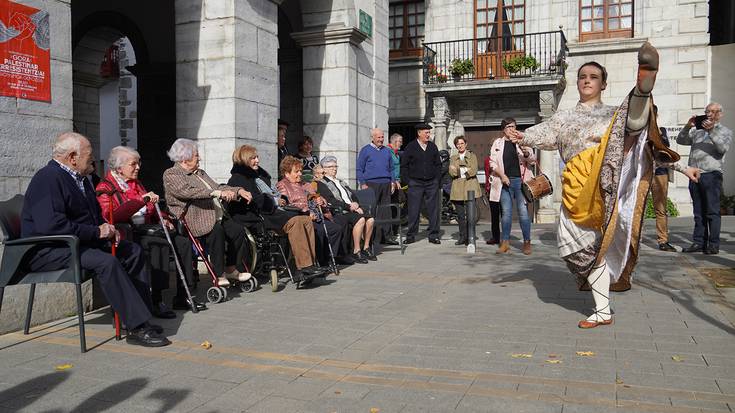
x=599, y=280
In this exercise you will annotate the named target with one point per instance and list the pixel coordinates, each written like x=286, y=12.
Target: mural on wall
x=25, y=60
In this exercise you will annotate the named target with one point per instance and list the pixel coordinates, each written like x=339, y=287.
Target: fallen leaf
x=677, y=358
x=62, y=367
x=555, y=361
x=374, y=410
x=337, y=392
x=553, y=356
x=521, y=356
x=206, y=345
x=586, y=353
x=618, y=381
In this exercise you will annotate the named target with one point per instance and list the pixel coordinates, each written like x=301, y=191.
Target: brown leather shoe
x=592, y=324
x=526, y=247
x=504, y=247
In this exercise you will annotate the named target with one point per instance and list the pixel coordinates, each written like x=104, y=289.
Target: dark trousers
x=382, y=197
x=462, y=223
x=426, y=192
x=158, y=252
x=333, y=236
x=123, y=278
x=223, y=244
x=706, y=203
x=495, y=220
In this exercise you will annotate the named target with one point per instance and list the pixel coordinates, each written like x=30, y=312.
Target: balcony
x=495, y=62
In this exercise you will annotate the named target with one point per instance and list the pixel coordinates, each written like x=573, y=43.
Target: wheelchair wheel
x=224, y=293
x=215, y=295
x=274, y=280
x=249, y=286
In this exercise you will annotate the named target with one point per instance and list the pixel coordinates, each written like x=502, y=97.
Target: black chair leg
x=2, y=292
x=80, y=315
x=30, y=309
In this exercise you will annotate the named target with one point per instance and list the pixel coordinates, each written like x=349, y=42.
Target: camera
x=698, y=121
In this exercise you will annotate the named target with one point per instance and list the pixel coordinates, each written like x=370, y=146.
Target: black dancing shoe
x=359, y=258
x=389, y=241
x=435, y=240
x=160, y=310
x=146, y=337
x=710, y=250
x=409, y=240
x=368, y=255
x=693, y=248
x=665, y=246
x=183, y=304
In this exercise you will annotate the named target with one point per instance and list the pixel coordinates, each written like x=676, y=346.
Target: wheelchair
x=269, y=257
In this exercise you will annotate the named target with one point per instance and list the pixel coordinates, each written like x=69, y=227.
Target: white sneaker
x=223, y=281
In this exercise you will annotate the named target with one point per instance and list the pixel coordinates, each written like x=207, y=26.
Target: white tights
x=599, y=280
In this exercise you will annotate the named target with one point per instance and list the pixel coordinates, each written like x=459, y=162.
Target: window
x=496, y=19
x=602, y=19
x=406, y=28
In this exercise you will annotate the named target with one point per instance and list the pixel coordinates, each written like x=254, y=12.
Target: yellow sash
x=581, y=194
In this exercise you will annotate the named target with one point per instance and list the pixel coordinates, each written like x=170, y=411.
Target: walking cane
x=176, y=256
x=331, y=252
x=113, y=251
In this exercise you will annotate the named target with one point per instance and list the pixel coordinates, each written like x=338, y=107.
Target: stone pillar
x=345, y=90
x=549, y=162
x=440, y=121
x=227, y=79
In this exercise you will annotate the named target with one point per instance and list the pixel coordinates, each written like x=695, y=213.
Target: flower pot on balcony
x=457, y=78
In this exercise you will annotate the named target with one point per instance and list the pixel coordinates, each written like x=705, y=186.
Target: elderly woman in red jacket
x=121, y=197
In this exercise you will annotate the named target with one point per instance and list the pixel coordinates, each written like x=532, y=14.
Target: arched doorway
x=138, y=106
x=290, y=65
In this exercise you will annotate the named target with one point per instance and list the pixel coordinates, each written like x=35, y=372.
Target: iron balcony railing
x=503, y=57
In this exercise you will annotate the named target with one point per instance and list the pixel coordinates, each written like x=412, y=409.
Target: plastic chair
x=17, y=249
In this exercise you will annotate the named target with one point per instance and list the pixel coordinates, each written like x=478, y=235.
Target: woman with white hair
x=121, y=195
x=190, y=190
x=347, y=211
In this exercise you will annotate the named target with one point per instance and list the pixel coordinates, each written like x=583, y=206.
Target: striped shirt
x=78, y=178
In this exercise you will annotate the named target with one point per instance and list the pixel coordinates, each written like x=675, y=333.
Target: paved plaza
x=434, y=330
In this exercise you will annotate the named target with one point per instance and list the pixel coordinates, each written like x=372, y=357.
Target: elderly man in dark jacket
x=61, y=201
x=421, y=167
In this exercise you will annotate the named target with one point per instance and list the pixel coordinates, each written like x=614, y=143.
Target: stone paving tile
x=272, y=404
x=436, y=399
x=702, y=404
x=496, y=404
x=304, y=388
x=344, y=405
x=670, y=382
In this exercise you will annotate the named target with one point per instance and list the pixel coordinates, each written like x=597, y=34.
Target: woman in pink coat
x=510, y=163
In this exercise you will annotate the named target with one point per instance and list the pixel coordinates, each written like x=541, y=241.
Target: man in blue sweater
x=61, y=201
x=375, y=170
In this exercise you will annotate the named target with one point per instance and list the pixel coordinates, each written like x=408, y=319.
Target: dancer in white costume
x=604, y=251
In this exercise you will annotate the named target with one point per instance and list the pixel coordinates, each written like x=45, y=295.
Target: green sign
x=366, y=23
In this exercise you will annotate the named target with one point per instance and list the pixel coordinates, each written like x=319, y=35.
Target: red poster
x=25, y=59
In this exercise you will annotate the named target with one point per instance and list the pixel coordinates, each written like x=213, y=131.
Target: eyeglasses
x=713, y=111
x=329, y=167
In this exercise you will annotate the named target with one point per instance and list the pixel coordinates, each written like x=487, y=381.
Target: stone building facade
x=693, y=72
x=217, y=71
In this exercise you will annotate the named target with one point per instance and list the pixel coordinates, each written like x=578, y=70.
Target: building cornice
x=606, y=46
x=329, y=35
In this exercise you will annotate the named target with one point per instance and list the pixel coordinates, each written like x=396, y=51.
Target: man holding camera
x=709, y=142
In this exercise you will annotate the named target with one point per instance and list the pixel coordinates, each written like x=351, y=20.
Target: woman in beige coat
x=463, y=170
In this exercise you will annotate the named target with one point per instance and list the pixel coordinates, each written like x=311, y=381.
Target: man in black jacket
x=421, y=168
x=61, y=201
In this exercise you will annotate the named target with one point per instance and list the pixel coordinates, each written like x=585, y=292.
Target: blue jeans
x=508, y=196
x=706, y=204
